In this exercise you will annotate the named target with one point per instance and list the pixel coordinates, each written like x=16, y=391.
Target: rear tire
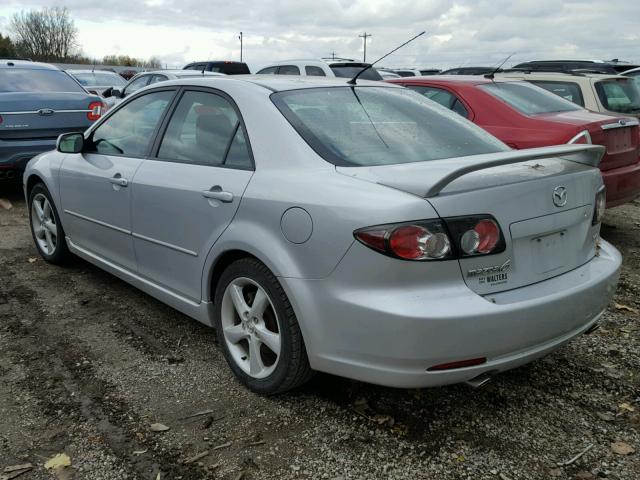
x=46, y=229
x=258, y=331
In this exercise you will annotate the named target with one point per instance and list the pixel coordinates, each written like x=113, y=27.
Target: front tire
x=46, y=229
x=258, y=331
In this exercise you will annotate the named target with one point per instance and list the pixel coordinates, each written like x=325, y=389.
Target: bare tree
x=47, y=34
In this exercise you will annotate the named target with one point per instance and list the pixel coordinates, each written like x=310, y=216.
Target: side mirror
x=70, y=143
x=116, y=93
x=107, y=92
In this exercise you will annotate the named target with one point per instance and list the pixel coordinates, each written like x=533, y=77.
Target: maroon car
x=525, y=116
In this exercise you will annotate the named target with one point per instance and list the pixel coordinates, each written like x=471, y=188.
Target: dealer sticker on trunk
x=493, y=275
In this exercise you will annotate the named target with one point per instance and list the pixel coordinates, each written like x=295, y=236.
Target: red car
x=523, y=115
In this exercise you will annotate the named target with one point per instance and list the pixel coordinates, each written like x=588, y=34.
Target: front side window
x=567, y=90
x=313, y=71
x=365, y=126
x=619, y=95
x=443, y=97
x=36, y=80
x=267, y=71
x=288, y=70
x=205, y=130
x=130, y=129
x=137, y=84
x=157, y=78
x=528, y=99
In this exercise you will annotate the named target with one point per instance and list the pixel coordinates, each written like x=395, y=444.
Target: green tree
x=7, y=48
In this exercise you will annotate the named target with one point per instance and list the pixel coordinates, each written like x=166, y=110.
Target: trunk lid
x=621, y=138
x=543, y=238
x=41, y=115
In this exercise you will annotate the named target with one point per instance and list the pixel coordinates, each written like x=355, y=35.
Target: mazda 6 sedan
x=360, y=230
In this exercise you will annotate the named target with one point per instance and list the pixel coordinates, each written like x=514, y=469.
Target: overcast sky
x=462, y=32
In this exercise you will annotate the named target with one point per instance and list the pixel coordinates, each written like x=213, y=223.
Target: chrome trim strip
x=35, y=112
x=165, y=244
x=98, y=222
x=621, y=124
x=580, y=135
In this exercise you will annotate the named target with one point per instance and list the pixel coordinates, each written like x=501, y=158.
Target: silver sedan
x=360, y=230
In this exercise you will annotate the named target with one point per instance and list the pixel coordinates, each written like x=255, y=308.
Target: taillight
x=423, y=240
x=476, y=235
x=444, y=239
x=582, y=138
x=600, y=206
x=95, y=111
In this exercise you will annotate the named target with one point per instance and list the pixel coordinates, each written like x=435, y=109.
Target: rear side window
x=129, y=130
x=443, y=97
x=366, y=126
x=36, y=80
x=619, y=95
x=157, y=78
x=314, y=71
x=528, y=99
x=288, y=70
x=567, y=90
x=205, y=130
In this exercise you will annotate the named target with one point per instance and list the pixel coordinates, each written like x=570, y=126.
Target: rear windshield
x=35, y=80
x=365, y=126
x=92, y=79
x=348, y=71
x=619, y=95
x=528, y=99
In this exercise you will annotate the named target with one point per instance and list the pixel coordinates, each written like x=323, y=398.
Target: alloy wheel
x=250, y=327
x=43, y=222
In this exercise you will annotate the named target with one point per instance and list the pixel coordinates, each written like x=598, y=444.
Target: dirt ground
x=88, y=363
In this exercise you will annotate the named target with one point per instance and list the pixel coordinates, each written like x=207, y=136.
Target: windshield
x=365, y=126
x=348, y=71
x=528, y=99
x=36, y=80
x=619, y=95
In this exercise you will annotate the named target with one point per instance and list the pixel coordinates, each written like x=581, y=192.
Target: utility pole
x=364, y=36
x=240, y=37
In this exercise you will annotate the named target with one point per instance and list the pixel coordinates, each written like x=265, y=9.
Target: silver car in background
x=363, y=230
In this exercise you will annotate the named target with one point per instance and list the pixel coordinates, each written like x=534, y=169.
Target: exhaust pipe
x=480, y=381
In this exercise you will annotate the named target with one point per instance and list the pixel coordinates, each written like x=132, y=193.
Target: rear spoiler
x=589, y=155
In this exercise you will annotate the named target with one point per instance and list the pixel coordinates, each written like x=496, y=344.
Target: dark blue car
x=38, y=102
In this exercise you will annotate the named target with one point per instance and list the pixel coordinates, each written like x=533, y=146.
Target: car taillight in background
x=95, y=111
x=600, y=205
x=435, y=239
x=582, y=138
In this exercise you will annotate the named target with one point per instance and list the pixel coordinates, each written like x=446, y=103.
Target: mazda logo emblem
x=45, y=112
x=559, y=196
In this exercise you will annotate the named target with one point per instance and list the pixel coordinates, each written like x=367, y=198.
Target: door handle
x=216, y=193
x=118, y=180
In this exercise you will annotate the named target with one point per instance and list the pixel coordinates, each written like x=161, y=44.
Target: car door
x=95, y=185
x=187, y=195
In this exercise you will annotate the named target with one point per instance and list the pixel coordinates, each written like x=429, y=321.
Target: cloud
x=460, y=32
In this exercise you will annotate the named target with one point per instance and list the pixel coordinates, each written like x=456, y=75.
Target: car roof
x=9, y=63
x=77, y=70
x=633, y=70
x=557, y=75
x=459, y=79
x=278, y=83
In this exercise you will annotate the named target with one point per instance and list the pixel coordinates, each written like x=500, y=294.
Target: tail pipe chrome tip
x=480, y=381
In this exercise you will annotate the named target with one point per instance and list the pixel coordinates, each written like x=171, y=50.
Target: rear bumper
x=392, y=336
x=623, y=184
x=15, y=154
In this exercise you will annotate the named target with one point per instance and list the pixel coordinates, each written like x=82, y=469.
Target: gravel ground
x=88, y=364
